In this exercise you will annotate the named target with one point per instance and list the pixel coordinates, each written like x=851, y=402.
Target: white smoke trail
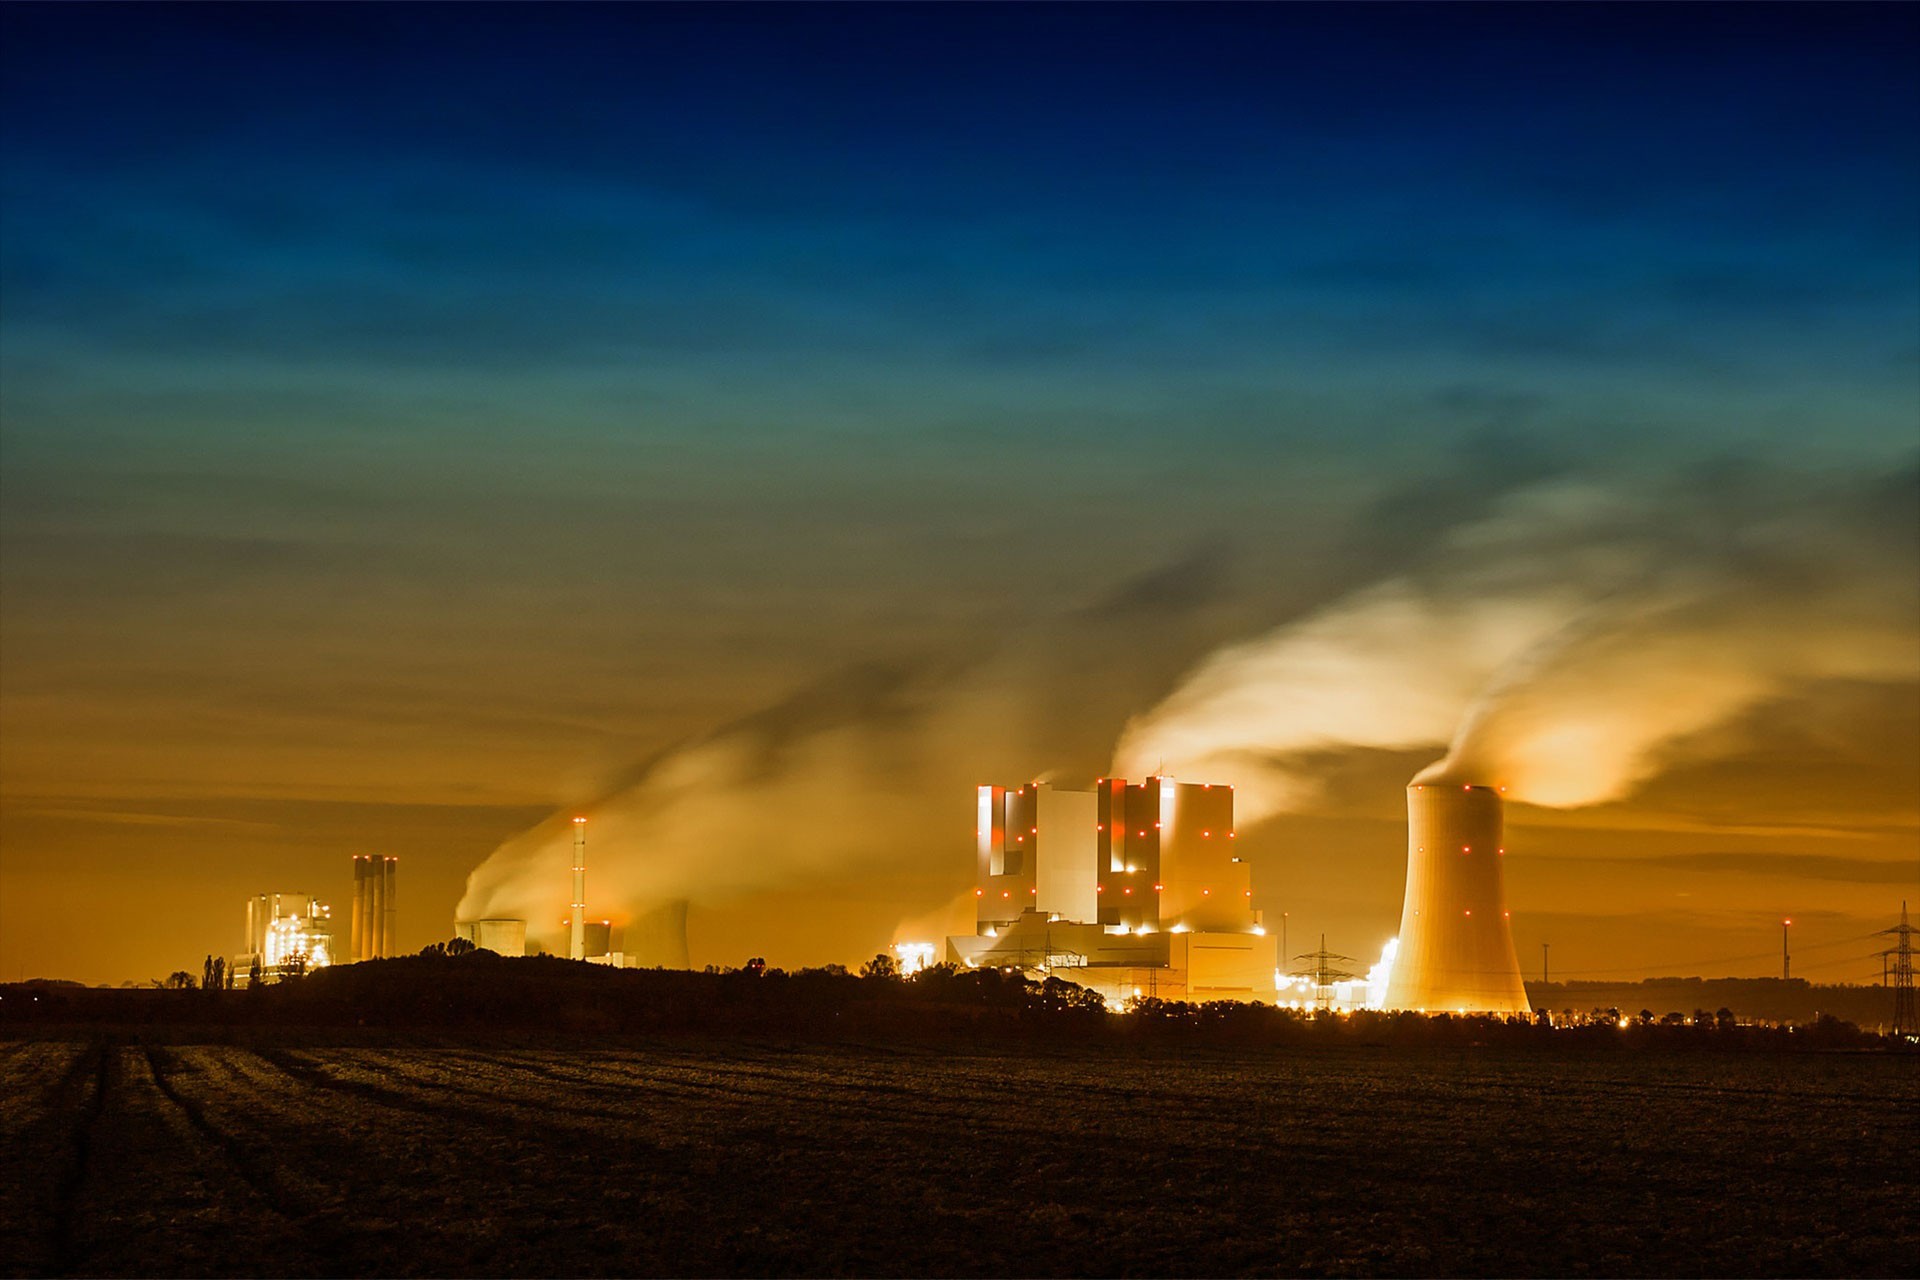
x=870, y=773
x=1563, y=642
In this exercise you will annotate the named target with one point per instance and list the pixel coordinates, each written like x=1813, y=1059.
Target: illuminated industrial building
x=1127, y=889
x=1456, y=946
x=287, y=934
x=375, y=907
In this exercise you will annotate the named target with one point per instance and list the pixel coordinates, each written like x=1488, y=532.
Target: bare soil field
x=302, y=1159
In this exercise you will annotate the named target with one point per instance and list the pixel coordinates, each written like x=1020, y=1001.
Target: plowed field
x=131, y=1159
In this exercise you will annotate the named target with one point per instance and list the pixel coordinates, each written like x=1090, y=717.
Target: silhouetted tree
x=882, y=966
x=179, y=980
x=461, y=946
x=756, y=966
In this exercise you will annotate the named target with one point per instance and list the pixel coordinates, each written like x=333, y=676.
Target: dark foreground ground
x=283, y=1158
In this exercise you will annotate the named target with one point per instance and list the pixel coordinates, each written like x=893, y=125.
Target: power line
x=1681, y=964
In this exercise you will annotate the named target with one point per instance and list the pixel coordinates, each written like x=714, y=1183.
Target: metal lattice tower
x=1905, y=1023
x=1324, y=974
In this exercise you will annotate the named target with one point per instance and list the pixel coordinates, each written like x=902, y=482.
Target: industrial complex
x=1128, y=889
x=287, y=934
x=1138, y=889
x=1131, y=889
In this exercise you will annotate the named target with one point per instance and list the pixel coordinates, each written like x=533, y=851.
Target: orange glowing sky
x=998, y=394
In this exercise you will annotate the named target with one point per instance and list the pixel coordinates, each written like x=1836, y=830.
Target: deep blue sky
x=443, y=405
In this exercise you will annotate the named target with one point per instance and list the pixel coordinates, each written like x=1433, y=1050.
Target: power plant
x=1455, y=952
x=287, y=935
x=1129, y=889
x=375, y=907
x=589, y=940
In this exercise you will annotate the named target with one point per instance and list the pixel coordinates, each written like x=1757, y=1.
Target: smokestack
x=389, y=905
x=577, y=940
x=357, y=950
x=376, y=907
x=1456, y=949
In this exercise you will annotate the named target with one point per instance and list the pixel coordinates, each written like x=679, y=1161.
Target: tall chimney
x=389, y=906
x=1456, y=949
x=577, y=941
x=358, y=949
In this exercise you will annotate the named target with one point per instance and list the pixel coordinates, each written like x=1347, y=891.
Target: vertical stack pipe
x=389, y=906
x=1456, y=948
x=370, y=883
x=577, y=939
x=357, y=949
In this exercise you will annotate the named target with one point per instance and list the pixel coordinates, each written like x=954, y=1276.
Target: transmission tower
x=1324, y=974
x=1905, y=1023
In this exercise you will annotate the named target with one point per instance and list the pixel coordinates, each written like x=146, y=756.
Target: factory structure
x=288, y=934
x=1128, y=889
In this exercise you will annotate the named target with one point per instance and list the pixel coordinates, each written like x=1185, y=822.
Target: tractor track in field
x=93, y=1071
x=322, y=1233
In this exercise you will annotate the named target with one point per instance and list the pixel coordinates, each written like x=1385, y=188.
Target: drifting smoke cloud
x=1561, y=643
x=868, y=772
x=1564, y=641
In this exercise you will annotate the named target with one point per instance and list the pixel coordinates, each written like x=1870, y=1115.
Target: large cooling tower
x=1456, y=950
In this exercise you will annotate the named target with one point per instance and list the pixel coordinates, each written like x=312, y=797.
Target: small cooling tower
x=1456, y=949
x=502, y=936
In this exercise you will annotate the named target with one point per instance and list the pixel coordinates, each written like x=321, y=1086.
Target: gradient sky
x=413, y=419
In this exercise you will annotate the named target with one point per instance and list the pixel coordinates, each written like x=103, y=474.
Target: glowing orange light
x=579, y=819
x=979, y=893
x=1157, y=888
x=1128, y=889
x=1205, y=892
x=1206, y=833
x=1006, y=893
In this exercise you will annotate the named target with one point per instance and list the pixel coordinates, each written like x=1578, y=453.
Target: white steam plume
x=867, y=774
x=1563, y=641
